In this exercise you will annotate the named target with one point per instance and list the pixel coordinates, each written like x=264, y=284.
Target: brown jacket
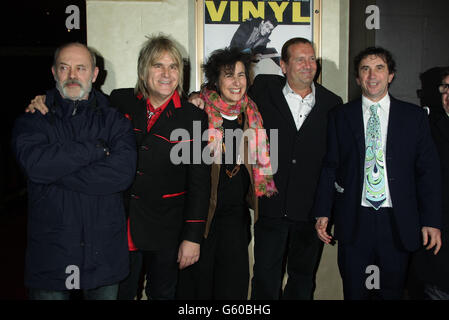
x=215, y=176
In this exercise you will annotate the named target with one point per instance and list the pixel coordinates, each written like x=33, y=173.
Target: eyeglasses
x=443, y=87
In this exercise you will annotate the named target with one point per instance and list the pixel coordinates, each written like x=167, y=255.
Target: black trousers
x=275, y=238
x=377, y=247
x=222, y=272
x=161, y=270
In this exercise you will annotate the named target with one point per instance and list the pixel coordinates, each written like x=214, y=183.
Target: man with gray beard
x=78, y=157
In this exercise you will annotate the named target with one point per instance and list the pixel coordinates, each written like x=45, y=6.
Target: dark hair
x=444, y=72
x=380, y=52
x=270, y=16
x=428, y=94
x=224, y=58
x=285, y=55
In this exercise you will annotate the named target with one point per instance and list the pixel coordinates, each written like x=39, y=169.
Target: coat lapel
x=354, y=114
x=280, y=102
x=167, y=115
x=394, y=132
x=161, y=126
x=316, y=111
x=443, y=126
x=139, y=119
x=140, y=115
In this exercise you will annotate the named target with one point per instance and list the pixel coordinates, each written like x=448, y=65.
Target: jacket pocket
x=171, y=141
x=174, y=199
x=173, y=195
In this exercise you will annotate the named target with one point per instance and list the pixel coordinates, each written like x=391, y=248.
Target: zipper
x=75, y=109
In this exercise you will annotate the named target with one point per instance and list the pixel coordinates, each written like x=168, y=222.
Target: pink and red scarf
x=259, y=148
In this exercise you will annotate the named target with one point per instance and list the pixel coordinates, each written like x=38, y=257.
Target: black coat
x=411, y=162
x=300, y=153
x=168, y=202
x=76, y=215
x=427, y=267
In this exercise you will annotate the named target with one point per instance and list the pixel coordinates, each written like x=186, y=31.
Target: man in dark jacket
x=169, y=200
x=78, y=157
x=297, y=107
x=427, y=269
x=380, y=182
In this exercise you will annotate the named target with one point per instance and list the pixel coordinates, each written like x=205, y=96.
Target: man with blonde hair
x=168, y=202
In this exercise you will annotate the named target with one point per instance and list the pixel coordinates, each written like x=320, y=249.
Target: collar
x=175, y=97
x=384, y=103
x=231, y=118
x=68, y=106
x=287, y=90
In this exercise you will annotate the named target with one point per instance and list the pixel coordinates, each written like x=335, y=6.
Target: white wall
x=117, y=30
x=335, y=53
x=335, y=45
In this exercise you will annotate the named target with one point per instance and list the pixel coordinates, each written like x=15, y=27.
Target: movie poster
x=259, y=27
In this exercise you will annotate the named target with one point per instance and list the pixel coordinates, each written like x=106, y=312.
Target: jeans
x=100, y=293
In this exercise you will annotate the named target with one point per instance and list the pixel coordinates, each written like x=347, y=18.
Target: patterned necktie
x=374, y=161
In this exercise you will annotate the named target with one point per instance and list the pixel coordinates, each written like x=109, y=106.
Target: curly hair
x=225, y=59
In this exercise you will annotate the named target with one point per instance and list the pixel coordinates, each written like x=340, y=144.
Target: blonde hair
x=152, y=50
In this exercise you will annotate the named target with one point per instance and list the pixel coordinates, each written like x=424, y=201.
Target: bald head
x=92, y=55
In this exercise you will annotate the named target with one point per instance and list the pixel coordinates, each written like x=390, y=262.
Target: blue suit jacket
x=412, y=165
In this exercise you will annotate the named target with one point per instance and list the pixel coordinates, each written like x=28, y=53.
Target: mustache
x=71, y=81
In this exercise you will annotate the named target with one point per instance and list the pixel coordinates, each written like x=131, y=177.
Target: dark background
x=30, y=31
x=415, y=31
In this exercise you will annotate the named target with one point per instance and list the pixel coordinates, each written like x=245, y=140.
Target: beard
x=62, y=88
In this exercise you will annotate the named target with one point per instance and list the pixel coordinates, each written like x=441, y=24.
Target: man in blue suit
x=381, y=180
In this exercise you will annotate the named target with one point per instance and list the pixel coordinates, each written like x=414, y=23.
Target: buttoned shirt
x=383, y=112
x=300, y=107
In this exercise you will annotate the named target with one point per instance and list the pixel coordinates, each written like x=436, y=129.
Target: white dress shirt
x=383, y=112
x=299, y=107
